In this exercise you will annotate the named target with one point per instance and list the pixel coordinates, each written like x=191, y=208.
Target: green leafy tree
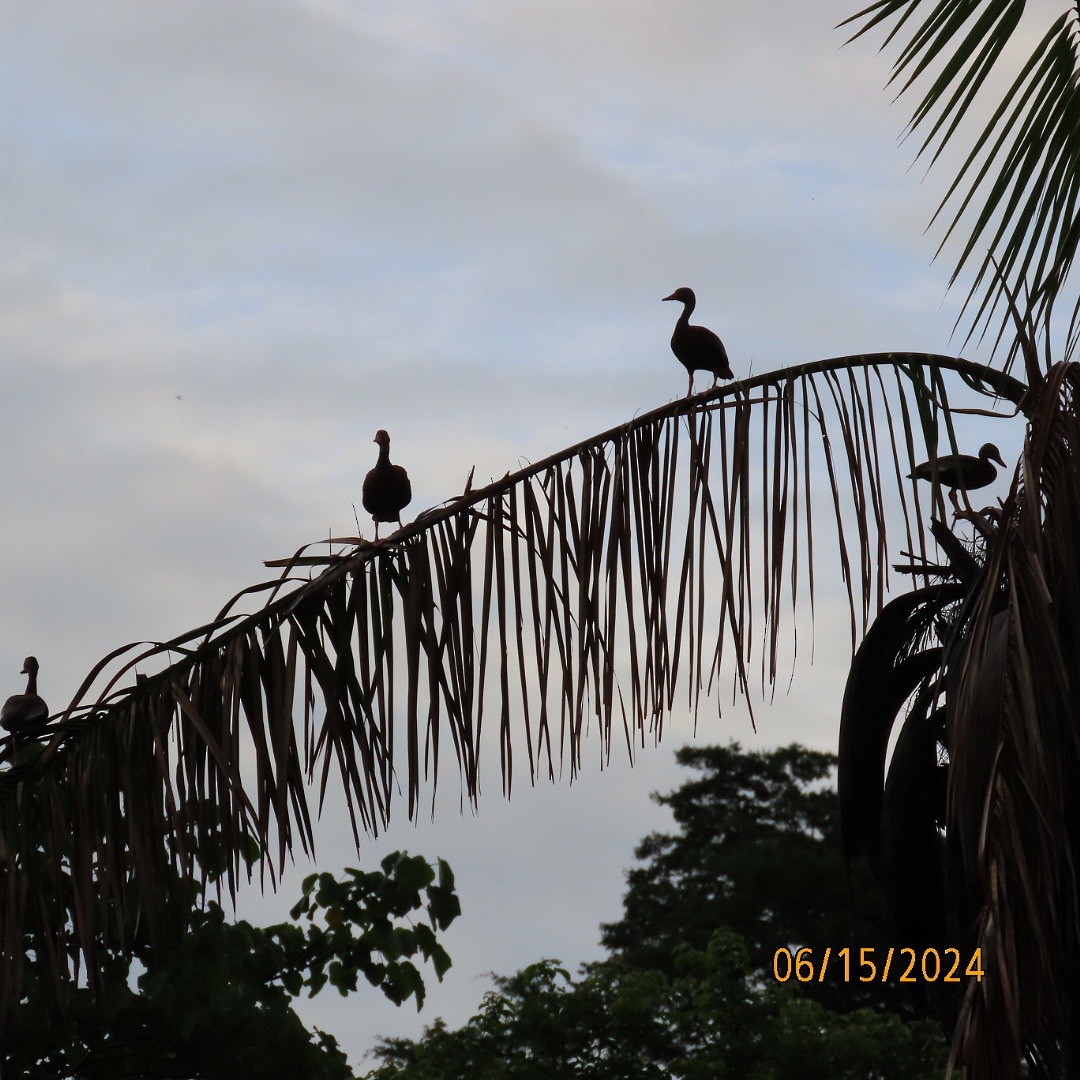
x=748, y=825
x=688, y=991
x=757, y=848
x=711, y=1017
x=213, y=999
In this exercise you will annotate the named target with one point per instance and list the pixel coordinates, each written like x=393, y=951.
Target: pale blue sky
x=240, y=236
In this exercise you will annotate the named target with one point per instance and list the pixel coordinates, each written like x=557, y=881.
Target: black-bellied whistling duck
x=961, y=472
x=695, y=347
x=387, y=490
x=24, y=711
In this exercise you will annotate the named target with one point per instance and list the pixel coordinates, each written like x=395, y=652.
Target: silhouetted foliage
x=758, y=850
x=213, y=999
x=688, y=990
x=712, y=1016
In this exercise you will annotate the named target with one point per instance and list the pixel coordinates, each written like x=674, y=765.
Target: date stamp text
x=871, y=964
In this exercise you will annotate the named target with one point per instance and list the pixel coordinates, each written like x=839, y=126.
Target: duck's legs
x=954, y=497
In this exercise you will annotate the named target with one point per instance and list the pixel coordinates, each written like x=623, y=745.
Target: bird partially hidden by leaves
x=961, y=472
x=22, y=712
x=696, y=347
x=387, y=490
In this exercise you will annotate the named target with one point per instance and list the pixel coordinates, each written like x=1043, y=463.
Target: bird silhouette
x=387, y=490
x=24, y=711
x=696, y=347
x=961, y=472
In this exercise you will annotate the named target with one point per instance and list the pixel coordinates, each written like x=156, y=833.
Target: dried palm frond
x=1014, y=801
x=581, y=595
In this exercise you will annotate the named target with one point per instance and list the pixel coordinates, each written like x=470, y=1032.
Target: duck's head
x=684, y=294
x=990, y=452
x=30, y=666
x=382, y=438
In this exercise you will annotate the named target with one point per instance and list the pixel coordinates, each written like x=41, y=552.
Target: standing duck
x=387, y=490
x=961, y=472
x=695, y=347
x=24, y=711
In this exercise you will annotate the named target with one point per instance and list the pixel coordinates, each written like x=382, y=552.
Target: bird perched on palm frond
x=24, y=711
x=387, y=490
x=696, y=347
x=961, y=472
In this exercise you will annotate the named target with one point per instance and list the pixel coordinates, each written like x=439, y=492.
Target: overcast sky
x=241, y=235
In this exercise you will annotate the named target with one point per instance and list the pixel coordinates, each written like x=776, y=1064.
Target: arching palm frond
x=893, y=807
x=894, y=662
x=1017, y=188
x=585, y=594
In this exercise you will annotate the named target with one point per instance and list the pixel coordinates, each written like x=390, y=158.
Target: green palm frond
x=912, y=866
x=893, y=662
x=580, y=598
x=1016, y=189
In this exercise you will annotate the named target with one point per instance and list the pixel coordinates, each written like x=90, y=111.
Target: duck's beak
x=672, y=297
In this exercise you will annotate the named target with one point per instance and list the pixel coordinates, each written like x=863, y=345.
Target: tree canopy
x=687, y=989
x=213, y=998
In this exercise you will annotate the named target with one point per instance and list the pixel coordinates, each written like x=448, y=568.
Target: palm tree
x=597, y=587
x=987, y=656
